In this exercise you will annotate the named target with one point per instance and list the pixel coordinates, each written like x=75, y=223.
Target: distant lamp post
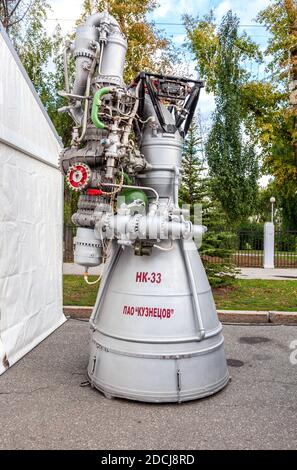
x=272, y=201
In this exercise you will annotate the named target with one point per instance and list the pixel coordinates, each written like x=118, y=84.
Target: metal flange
x=78, y=176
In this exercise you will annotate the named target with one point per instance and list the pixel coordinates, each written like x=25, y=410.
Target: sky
x=171, y=11
x=65, y=12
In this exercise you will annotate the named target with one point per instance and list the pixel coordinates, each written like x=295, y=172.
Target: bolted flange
x=78, y=176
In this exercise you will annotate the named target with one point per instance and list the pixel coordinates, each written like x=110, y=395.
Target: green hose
x=96, y=105
x=127, y=179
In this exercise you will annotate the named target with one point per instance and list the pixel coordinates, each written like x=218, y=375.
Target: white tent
x=31, y=214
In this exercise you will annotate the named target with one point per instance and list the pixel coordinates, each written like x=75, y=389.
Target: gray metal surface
x=163, y=152
x=115, y=47
x=155, y=332
x=156, y=341
x=42, y=405
x=87, y=249
x=155, y=335
x=245, y=273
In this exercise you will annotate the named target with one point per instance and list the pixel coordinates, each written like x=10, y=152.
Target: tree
x=216, y=246
x=291, y=11
x=264, y=204
x=13, y=12
x=34, y=46
x=192, y=187
x=265, y=109
x=233, y=163
x=37, y=51
x=279, y=139
x=205, y=43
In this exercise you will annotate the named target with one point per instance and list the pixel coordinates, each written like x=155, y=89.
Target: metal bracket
x=189, y=101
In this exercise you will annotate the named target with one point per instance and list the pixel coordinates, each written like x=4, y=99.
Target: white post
x=268, y=259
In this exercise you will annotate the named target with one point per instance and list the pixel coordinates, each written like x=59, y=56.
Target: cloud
x=174, y=9
x=247, y=11
x=264, y=181
x=66, y=14
x=179, y=38
x=222, y=9
x=164, y=7
x=207, y=100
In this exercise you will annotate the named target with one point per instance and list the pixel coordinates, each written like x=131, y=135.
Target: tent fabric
x=31, y=215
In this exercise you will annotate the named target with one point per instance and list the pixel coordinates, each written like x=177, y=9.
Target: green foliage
x=33, y=45
x=217, y=243
x=277, y=20
x=255, y=227
x=55, y=83
x=277, y=122
x=193, y=186
x=263, y=106
x=205, y=41
x=232, y=162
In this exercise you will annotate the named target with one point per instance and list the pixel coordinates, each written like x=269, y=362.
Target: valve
x=78, y=176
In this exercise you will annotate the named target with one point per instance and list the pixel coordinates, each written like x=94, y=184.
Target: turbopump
x=155, y=335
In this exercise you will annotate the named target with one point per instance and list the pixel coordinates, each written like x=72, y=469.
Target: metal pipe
x=96, y=104
x=85, y=118
x=145, y=188
x=82, y=65
x=97, y=18
x=106, y=276
x=194, y=292
x=66, y=75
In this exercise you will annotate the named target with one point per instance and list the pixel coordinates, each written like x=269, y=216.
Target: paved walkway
x=42, y=405
x=72, y=268
x=273, y=274
x=246, y=273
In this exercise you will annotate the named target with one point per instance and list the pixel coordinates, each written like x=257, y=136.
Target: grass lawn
x=77, y=292
x=258, y=294
x=245, y=294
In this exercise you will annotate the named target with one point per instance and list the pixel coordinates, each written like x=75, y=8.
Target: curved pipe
x=85, y=35
x=96, y=104
x=96, y=19
x=65, y=59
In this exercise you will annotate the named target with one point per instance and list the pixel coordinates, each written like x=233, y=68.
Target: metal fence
x=249, y=249
x=285, y=249
x=245, y=247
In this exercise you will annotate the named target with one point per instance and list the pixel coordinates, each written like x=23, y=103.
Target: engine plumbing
x=124, y=161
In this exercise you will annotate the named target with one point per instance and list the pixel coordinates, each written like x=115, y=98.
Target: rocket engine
x=155, y=335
